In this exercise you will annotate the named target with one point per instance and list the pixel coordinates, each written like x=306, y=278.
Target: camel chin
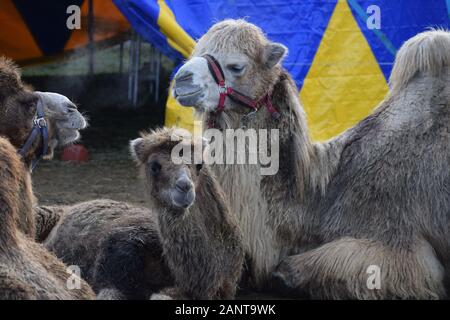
x=73, y=120
x=66, y=136
x=63, y=137
x=52, y=144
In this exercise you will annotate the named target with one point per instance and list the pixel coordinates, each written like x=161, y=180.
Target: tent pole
x=136, y=72
x=121, y=58
x=158, y=67
x=91, y=35
x=131, y=67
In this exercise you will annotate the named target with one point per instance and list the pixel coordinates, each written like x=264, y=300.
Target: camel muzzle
x=184, y=89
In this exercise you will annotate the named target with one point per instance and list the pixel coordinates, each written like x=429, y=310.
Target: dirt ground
x=110, y=172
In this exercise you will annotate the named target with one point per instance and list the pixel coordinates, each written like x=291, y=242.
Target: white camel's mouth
x=178, y=94
x=67, y=130
x=190, y=98
x=67, y=136
x=75, y=121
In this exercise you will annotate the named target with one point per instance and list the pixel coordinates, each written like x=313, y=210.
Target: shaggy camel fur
x=27, y=270
x=17, y=112
x=46, y=218
x=377, y=195
x=116, y=246
x=199, y=239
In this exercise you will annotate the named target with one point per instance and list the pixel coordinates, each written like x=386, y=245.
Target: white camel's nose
x=191, y=82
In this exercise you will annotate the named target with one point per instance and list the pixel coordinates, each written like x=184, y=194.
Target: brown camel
x=116, y=246
x=27, y=270
x=18, y=105
x=189, y=232
x=373, y=198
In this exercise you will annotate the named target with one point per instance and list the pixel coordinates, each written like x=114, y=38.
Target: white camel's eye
x=235, y=68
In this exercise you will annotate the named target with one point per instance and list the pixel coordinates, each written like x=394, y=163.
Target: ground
x=110, y=172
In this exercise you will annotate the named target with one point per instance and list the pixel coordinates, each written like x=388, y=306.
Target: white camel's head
x=64, y=115
x=19, y=107
x=250, y=63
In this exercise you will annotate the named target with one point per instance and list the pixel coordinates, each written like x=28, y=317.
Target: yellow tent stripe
x=178, y=116
x=176, y=36
x=344, y=82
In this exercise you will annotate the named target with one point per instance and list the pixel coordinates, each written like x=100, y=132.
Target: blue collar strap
x=39, y=128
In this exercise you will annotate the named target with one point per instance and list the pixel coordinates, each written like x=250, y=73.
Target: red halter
x=224, y=91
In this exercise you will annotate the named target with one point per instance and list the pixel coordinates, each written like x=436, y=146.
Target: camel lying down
x=27, y=269
x=372, y=201
x=188, y=240
x=388, y=204
x=377, y=197
x=18, y=112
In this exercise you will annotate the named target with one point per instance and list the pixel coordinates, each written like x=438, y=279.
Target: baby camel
x=189, y=224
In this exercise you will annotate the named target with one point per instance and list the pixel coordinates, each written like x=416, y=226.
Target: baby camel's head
x=171, y=177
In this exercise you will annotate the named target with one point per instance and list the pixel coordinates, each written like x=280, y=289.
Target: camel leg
x=132, y=263
x=169, y=293
x=12, y=288
x=227, y=291
x=351, y=268
x=110, y=294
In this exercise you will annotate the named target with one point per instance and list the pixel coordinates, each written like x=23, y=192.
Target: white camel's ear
x=273, y=54
x=136, y=149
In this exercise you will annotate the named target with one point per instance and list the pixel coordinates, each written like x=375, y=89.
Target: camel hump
x=11, y=167
x=10, y=81
x=12, y=174
x=427, y=52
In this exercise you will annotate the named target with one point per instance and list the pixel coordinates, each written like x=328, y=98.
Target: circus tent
x=32, y=31
x=340, y=63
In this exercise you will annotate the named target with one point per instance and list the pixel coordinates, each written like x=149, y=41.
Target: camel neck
x=297, y=152
x=15, y=193
x=8, y=215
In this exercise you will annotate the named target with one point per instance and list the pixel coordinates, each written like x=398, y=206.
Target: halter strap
x=224, y=91
x=39, y=128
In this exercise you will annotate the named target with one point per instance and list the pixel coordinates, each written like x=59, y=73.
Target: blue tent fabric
x=299, y=24
x=400, y=20
x=143, y=16
x=41, y=28
x=340, y=64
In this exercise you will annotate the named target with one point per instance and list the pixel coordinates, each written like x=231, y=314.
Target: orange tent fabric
x=33, y=30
